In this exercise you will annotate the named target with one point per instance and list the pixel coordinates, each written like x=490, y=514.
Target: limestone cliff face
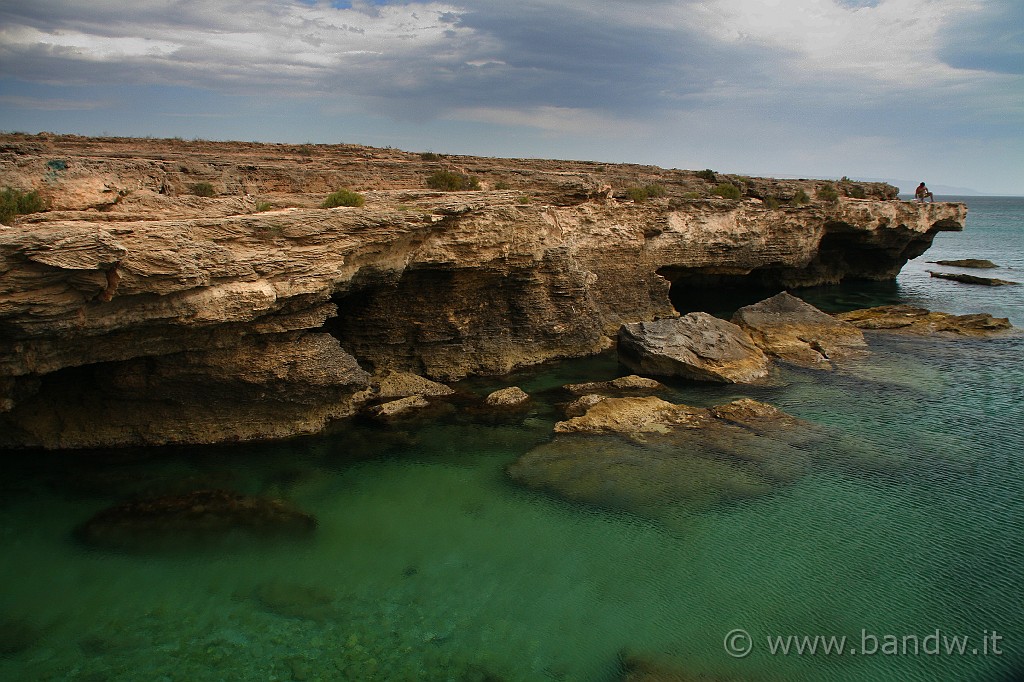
x=136, y=313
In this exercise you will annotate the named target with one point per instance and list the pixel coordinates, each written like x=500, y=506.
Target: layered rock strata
x=131, y=311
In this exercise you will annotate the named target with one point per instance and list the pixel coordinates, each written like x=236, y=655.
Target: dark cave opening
x=694, y=290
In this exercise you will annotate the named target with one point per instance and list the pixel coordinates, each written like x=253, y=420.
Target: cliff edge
x=134, y=311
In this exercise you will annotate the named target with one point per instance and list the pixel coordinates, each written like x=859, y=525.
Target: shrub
x=264, y=206
x=771, y=202
x=501, y=184
x=430, y=156
x=707, y=174
x=343, y=197
x=451, y=182
x=57, y=165
x=654, y=191
x=828, y=194
x=691, y=195
x=15, y=202
x=800, y=197
x=639, y=194
x=857, y=192
x=525, y=199
x=726, y=190
x=203, y=189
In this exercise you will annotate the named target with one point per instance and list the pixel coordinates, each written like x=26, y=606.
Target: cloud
x=709, y=77
x=50, y=104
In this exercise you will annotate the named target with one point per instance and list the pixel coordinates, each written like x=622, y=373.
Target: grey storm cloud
x=470, y=54
x=990, y=39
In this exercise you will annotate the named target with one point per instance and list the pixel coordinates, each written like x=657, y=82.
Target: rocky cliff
x=135, y=311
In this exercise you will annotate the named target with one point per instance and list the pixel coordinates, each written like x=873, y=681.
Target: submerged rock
x=696, y=346
x=199, y=518
x=627, y=384
x=914, y=320
x=646, y=668
x=657, y=459
x=296, y=601
x=967, y=263
x=971, y=279
x=797, y=332
x=17, y=635
x=513, y=396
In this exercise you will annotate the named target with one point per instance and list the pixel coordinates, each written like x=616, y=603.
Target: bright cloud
x=763, y=82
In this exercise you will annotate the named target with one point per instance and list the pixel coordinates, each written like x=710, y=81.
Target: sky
x=901, y=89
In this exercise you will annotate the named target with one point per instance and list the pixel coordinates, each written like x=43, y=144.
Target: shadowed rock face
x=696, y=346
x=131, y=276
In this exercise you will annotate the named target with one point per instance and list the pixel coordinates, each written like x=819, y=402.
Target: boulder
x=513, y=396
x=202, y=517
x=695, y=346
x=651, y=457
x=394, y=384
x=799, y=333
x=921, y=321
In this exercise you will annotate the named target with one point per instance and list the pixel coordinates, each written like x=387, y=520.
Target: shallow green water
x=429, y=564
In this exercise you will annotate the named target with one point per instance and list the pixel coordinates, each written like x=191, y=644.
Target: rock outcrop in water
x=651, y=457
x=921, y=321
x=137, y=312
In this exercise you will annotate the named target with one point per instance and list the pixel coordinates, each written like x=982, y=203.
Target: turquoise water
x=430, y=564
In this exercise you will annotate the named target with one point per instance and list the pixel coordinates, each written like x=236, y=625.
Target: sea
x=429, y=563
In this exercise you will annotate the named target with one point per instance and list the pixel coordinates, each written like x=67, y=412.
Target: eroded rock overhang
x=148, y=326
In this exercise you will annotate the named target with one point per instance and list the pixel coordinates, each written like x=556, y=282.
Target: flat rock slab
x=967, y=263
x=202, y=517
x=921, y=321
x=627, y=384
x=696, y=346
x=797, y=332
x=653, y=458
x=398, y=408
x=971, y=279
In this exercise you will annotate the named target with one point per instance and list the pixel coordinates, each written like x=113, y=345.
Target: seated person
x=922, y=193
